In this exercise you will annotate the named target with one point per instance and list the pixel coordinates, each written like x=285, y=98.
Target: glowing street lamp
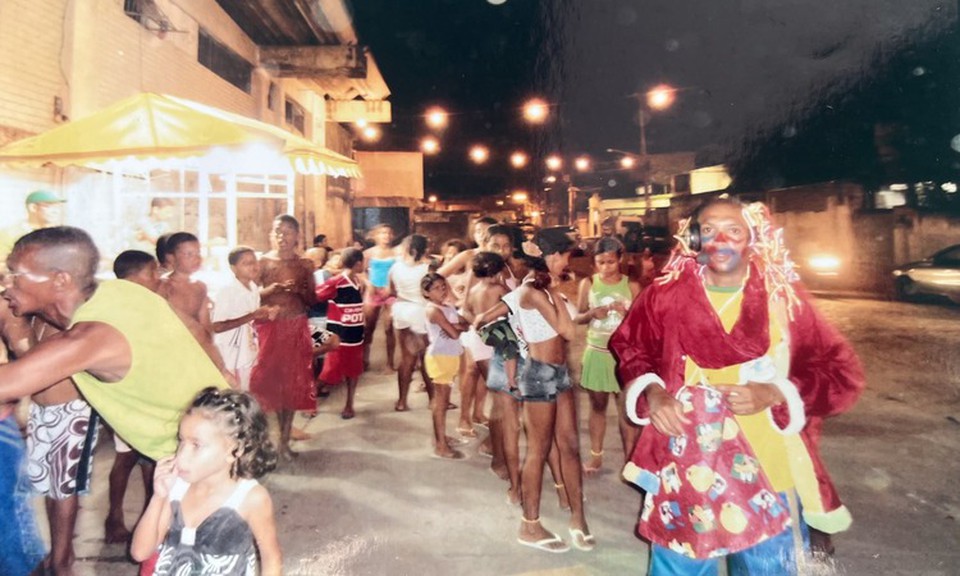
x=628, y=162
x=581, y=163
x=479, y=154
x=535, y=111
x=519, y=197
x=432, y=199
x=661, y=97
x=430, y=145
x=518, y=159
x=437, y=118
x=554, y=162
x=371, y=133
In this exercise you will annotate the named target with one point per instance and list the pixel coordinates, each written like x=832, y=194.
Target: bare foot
x=299, y=434
x=288, y=455
x=115, y=532
x=448, y=454
x=500, y=472
x=401, y=407
x=513, y=496
x=347, y=413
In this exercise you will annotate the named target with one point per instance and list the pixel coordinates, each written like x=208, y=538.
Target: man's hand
x=666, y=412
x=751, y=397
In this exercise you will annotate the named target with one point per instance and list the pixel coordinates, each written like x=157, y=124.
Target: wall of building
x=90, y=54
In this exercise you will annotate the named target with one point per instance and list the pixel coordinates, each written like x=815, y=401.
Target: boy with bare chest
x=282, y=379
x=187, y=296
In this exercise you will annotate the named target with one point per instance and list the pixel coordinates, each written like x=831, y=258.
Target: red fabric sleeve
x=823, y=365
x=637, y=345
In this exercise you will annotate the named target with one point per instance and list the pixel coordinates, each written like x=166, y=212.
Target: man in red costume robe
x=734, y=368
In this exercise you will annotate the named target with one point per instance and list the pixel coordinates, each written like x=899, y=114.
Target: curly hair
x=241, y=419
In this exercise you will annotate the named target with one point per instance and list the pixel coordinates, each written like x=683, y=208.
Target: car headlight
x=824, y=264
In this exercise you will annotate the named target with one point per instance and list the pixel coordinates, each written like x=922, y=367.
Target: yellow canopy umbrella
x=160, y=131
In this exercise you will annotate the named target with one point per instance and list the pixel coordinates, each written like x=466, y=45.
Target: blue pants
x=772, y=557
x=21, y=548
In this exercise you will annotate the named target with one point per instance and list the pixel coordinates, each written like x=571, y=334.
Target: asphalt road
x=366, y=497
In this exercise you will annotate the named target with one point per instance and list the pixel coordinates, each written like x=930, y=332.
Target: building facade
x=304, y=73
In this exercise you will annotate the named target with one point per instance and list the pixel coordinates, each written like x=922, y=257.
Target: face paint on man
x=726, y=238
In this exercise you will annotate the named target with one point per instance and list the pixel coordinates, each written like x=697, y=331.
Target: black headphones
x=692, y=236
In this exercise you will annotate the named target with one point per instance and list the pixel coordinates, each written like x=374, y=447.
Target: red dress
x=282, y=378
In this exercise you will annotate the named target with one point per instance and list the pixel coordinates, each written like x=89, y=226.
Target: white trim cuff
x=796, y=414
x=634, y=389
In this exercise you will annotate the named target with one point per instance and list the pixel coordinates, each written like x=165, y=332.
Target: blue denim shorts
x=542, y=382
x=497, y=376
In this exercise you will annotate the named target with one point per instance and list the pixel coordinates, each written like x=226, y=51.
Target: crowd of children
x=491, y=318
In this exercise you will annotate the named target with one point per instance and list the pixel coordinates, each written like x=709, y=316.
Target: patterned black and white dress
x=222, y=545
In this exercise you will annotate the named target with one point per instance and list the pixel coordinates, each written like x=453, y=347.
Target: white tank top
x=406, y=279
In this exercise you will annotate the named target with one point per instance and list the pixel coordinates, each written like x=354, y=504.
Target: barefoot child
x=344, y=292
x=236, y=306
x=500, y=372
x=282, y=378
x=208, y=511
x=442, y=359
x=603, y=301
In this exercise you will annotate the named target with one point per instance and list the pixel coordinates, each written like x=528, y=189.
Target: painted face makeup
x=726, y=239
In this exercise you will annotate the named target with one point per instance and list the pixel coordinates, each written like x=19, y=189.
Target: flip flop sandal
x=547, y=544
x=581, y=540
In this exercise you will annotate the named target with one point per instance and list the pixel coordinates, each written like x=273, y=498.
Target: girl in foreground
x=207, y=508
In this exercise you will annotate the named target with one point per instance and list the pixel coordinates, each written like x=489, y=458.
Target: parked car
x=938, y=275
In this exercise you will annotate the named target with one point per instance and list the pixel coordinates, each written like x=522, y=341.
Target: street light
x=554, y=162
x=660, y=97
x=371, y=133
x=437, y=118
x=430, y=145
x=479, y=154
x=581, y=163
x=535, y=111
x=518, y=159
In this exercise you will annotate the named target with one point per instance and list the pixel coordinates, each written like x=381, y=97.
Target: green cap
x=43, y=197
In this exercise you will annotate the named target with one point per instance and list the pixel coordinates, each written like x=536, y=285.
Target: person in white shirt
x=235, y=308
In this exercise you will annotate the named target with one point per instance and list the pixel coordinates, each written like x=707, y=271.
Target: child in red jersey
x=345, y=318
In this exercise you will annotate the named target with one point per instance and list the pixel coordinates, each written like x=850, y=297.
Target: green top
x=167, y=369
x=602, y=294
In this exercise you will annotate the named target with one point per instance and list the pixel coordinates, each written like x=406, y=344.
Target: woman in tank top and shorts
x=549, y=407
x=409, y=313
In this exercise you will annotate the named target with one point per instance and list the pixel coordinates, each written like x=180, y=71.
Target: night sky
x=743, y=68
